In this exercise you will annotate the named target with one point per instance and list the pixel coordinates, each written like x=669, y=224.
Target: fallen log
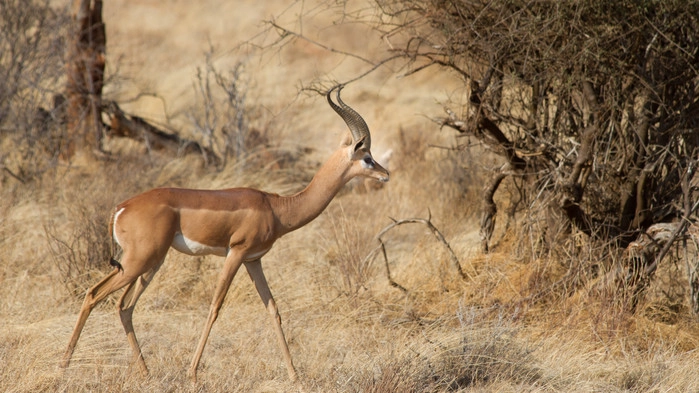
x=128, y=126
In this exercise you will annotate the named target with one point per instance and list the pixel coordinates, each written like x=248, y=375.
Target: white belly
x=191, y=247
x=255, y=255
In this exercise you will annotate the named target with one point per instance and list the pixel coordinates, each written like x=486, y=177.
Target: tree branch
x=437, y=234
x=490, y=210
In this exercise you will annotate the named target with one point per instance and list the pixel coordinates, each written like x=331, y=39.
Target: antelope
x=240, y=224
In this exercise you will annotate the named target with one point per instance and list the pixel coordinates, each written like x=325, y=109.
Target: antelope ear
x=360, y=144
x=347, y=139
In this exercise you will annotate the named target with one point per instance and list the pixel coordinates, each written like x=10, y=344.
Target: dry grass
x=348, y=329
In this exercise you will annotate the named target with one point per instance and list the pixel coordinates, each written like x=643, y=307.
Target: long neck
x=297, y=210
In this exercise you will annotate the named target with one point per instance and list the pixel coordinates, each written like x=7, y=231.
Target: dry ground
x=348, y=329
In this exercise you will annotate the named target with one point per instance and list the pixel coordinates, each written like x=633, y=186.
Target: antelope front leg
x=230, y=268
x=255, y=271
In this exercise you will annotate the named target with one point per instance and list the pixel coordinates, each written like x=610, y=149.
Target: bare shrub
x=31, y=67
x=221, y=113
x=591, y=105
x=81, y=253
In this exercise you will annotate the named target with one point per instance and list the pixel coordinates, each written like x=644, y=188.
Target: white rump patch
x=192, y=247
x=114, y=225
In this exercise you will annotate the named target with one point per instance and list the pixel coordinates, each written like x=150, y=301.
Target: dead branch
x=284, y=32
x=490, y=210
x=437, y=234
x=155, y=139
x=650, y=248
x=487, y=132
x=668, y=240
x=374, y=65
x=17, y=177
x=391, y=281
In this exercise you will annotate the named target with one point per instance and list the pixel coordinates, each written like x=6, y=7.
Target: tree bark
x=85, y=77
x=490, y=210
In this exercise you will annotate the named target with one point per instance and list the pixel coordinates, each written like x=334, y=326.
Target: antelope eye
x=368, y=161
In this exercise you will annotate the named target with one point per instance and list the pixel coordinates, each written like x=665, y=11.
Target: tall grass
x=348, y=329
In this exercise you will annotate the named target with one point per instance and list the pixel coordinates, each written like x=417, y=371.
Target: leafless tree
x=592, y=106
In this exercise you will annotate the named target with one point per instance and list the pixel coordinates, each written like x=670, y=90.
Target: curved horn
x=355, y=122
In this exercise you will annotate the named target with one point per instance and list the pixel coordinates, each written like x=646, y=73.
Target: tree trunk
x=490, y=210
x=85, y=77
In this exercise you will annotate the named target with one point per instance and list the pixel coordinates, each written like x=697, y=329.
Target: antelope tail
x=112, y=252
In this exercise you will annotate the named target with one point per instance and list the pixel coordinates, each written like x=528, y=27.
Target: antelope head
x=359, y=150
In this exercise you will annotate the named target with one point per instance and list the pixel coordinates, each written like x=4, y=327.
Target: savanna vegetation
x=537, y=233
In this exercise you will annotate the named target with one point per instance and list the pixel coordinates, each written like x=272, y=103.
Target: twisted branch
x=437, y=234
